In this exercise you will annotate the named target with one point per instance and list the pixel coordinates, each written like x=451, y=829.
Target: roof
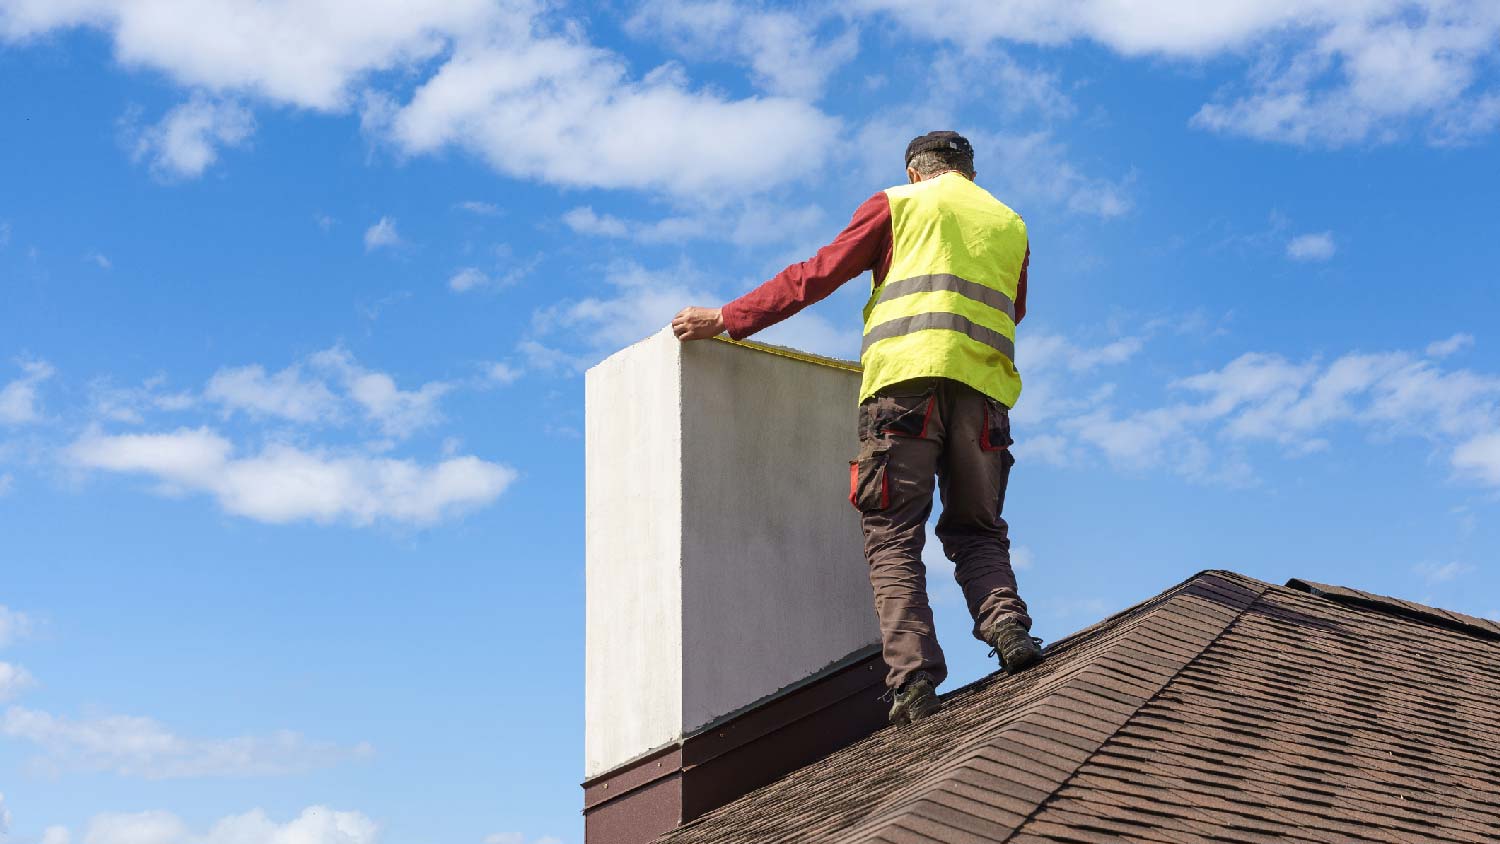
x=1224, y=709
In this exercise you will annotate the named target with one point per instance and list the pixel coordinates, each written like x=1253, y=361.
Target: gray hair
x=935, y=161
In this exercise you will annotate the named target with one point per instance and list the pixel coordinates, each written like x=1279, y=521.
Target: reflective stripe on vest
x=947, y=308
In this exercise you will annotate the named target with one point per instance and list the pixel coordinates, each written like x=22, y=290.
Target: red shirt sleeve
x=865, y=244
x=1021, y=287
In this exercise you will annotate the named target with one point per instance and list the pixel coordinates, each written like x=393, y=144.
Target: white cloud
x=1479, y=458
x=322, y=389
x=18, y=399
x=1453, y=345
x=1326, y=72
x=483, y=209
x=56, y=835
x=398, y=412
x=781, y=47
x=1318, y=246
x=552, y=361
x=282, y=483
x=1435, y=573
x=4, y=816
x=315, y=825
x=641, y=302
x=583, y=220
x=1034, y=167
x=7, y=483
x=490, y=78
x=382, y=233
x=502, y=373
x=188, y=139
x=310, y=55
x=1267, y=398
x=100, y=260
x=14, y=680
x=287, y=394
x=142, y=747
x=607, y=130
x=130, y=404
x=474, y=278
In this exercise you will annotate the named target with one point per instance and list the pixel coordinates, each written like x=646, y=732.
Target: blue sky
x=295, y=300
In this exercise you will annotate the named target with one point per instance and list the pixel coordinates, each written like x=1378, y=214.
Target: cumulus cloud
x=610, y=131
x=782, y=48
x=398, y=412
x=4, y=816
x=1318, y=246
x=315, y=825
x=325, y=388
x=1324, y=72
x=491, y=76
x=310, y=55
x=382, y=233
x=19, y=402
x=187, y=140
x=14, y=680
x=1260, y=397
x=56, y=835
x=142, y=747
x=288, y=394
x=282, y=483
x=1479, y=458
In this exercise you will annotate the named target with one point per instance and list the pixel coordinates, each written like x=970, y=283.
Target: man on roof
x=949, y=286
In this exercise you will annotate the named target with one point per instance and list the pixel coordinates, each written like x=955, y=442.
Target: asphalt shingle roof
x=1224, y=709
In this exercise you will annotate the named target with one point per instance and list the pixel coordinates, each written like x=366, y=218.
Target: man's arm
x=864, y=244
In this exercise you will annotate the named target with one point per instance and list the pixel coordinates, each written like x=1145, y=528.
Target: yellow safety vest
x=947, y=306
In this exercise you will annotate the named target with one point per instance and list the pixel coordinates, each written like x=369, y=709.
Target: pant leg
x=973, y=474
x=900, y=437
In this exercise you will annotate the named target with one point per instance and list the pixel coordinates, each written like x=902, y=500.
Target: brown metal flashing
x=1396, y=606
x=646, y=797
x=632, y=775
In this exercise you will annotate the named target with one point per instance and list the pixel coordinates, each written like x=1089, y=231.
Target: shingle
x=1224, y=709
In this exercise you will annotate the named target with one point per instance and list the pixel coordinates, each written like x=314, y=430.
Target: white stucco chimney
x=728, y=598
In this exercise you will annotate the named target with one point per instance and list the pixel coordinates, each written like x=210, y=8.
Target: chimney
x=730, y=633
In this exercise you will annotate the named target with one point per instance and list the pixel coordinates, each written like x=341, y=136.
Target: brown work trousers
x=908, y=433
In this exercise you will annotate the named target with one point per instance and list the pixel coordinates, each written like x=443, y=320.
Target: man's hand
x=698, y=323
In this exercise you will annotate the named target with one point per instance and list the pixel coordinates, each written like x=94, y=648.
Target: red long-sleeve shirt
x=865, y=244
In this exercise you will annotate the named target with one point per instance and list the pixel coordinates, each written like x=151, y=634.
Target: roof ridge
x=1398, y=607
x=1151, y=644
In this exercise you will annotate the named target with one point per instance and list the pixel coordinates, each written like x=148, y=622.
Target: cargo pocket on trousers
x=899, y=416
x=995, y=434
x=869, y=480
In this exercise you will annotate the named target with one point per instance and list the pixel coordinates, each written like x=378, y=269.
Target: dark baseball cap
x=938, y=140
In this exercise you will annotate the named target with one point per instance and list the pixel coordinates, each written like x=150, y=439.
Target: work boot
x=915, y=700
x=1017, y=647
